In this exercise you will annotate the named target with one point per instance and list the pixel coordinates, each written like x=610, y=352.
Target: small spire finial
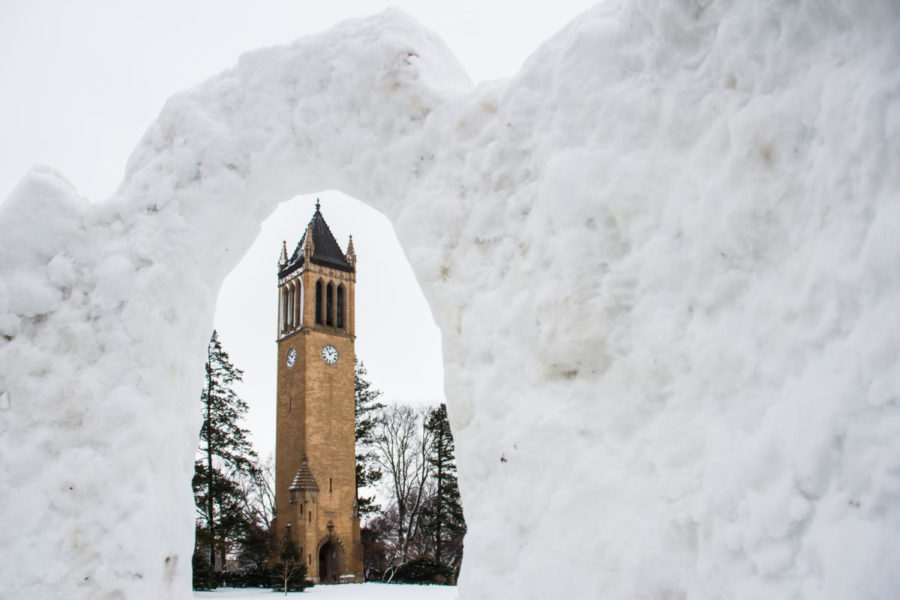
x=308, y=244
x=351, y=252
x=317, y=205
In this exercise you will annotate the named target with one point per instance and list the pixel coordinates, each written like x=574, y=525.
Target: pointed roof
x=325, y=249
x=304, y=480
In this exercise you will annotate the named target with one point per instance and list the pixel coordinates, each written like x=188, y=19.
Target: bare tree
x=257, y=495
x=258, y=492
x=402, y=446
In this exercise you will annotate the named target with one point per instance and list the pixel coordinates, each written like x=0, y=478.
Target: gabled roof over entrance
x=325, y=249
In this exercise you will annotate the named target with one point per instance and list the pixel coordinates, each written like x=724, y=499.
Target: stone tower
x=315, y=464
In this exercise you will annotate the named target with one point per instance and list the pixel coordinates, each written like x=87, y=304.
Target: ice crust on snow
x=664, y=258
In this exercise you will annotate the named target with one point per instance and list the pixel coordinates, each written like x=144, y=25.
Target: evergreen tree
x=291, y=570
x=367, y=407
x=226, y=456
x=443, y=515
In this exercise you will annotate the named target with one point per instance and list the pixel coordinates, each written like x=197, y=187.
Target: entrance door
x=330, y=562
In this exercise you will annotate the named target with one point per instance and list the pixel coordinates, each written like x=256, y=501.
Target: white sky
x=82, y=81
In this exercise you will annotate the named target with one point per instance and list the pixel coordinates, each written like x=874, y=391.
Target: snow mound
x=665, y=263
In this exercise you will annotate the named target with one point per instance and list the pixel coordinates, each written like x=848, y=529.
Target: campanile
x=315, y=458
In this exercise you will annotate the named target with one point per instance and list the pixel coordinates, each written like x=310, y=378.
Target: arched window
x=329, y=306
x=340, y=306
x=283, y=309
x=294, y=303
x=319, y=302
x=298, y=303
x=298, y=309
x=291, y=300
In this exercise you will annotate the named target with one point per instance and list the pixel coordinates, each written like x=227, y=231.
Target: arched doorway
x=331, y=561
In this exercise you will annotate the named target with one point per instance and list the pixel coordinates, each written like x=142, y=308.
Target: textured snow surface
x=664, y=258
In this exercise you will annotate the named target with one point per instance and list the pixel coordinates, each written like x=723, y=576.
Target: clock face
x=330, y=354
x=291, y=357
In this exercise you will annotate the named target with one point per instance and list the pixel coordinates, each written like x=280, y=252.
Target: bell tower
x=315, y=446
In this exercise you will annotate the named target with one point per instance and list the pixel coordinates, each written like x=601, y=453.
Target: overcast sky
x=82, y=80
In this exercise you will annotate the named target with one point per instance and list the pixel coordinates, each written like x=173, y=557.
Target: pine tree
x=443, y=514
x=226, y=454
x=367, y=407
x=291, y=571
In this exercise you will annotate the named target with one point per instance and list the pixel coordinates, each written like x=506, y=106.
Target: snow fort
x=664, y=258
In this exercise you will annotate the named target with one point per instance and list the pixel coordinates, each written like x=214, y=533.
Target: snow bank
x=664, y=259
x=351, y=591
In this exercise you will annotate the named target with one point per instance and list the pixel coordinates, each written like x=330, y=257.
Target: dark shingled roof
x=326, y=251
x=304, y=480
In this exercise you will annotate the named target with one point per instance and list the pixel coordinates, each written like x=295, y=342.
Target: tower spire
x=317, y=245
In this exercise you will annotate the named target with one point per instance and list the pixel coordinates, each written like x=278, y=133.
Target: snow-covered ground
x=665, y=262
x=364, y=591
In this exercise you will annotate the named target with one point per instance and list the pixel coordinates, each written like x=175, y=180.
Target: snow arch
x=713, y=185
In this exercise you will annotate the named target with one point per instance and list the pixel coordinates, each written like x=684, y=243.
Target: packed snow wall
x=665, y=262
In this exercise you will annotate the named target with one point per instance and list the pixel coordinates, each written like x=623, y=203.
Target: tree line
x=418, y=534
x=407, y=493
